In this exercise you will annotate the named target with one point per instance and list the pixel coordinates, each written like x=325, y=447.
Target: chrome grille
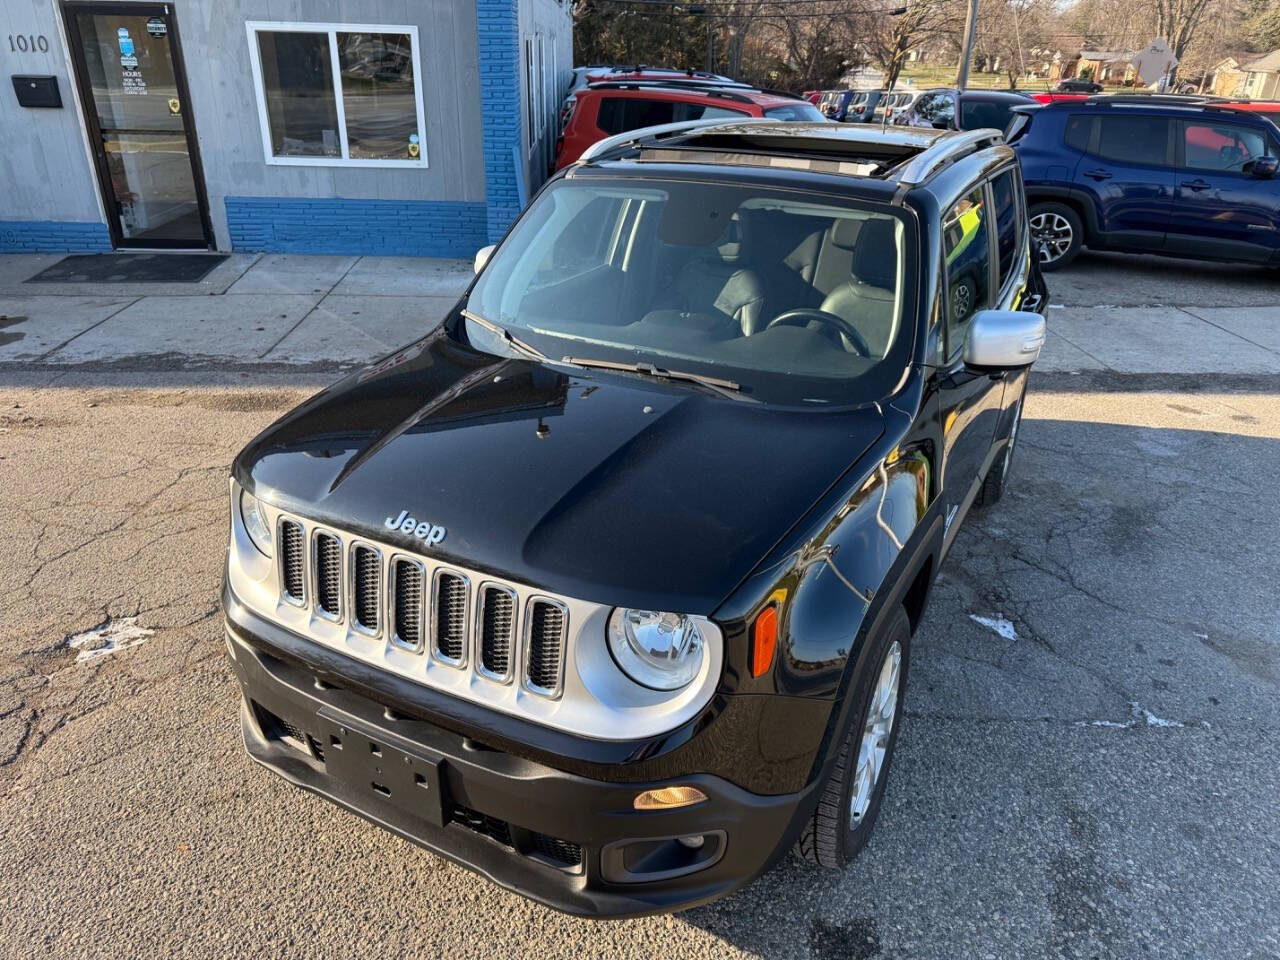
x=406, y=617
x=327, y=570
x=292, y=562
x=366, y=588
x=496, y=629
x=449, y=617
x=545, y=628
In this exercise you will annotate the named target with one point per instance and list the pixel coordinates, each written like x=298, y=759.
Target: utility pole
x=970, y=28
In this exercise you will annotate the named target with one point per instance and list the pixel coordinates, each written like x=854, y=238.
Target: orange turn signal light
x=764, y=640
x=668, y=798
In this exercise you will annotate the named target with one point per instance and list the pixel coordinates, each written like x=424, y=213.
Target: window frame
x=1172, y=131
x=254, y=27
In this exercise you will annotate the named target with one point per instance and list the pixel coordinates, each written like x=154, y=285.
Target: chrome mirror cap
x=483, y=255
x=1004, y=339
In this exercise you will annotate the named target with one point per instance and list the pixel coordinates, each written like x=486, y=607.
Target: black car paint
x=847, y=513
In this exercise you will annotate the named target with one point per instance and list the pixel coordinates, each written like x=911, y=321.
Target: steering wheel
x=802, y=316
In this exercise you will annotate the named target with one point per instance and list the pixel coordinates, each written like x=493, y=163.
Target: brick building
x=334, y=126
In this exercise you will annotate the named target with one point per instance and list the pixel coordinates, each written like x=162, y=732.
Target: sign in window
x=338, y=95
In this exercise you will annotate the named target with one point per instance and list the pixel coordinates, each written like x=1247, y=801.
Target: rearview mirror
x=483, y=255
x=1004, y=339
x=1264, y=168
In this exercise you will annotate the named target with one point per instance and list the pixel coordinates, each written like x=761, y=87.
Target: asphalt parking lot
x=1089, y=764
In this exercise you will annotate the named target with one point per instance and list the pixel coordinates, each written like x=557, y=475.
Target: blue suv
x=1179, y=177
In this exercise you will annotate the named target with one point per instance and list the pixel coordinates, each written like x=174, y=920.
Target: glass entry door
x=129, y=70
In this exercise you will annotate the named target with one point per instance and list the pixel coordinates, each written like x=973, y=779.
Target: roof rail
x=945, y=152
x=1166, y=99
x=659, y=132
x=669, y=83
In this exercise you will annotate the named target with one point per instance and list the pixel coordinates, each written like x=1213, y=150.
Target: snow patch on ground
x=108, y=637
x=997, y=624
x=1140, y=715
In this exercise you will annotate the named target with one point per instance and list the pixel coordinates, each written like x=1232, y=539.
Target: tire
x=833, y=836
x=997, y=477
x=963, y=297
x=1058, y=227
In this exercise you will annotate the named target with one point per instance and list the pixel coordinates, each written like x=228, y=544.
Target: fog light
x=669, y=798
x=693, y=843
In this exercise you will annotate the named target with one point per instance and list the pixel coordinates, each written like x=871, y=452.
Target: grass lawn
x=944, y=75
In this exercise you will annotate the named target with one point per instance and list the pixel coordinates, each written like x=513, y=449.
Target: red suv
x=604, y=109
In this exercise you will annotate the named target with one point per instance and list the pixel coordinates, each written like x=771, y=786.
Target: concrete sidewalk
x=251, y=309
x=332, y=312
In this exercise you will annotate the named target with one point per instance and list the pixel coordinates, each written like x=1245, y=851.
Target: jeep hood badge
x=428, y=533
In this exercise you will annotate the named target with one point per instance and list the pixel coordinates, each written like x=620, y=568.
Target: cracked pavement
x=1101, y=783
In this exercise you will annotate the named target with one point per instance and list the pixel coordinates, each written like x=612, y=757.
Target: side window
x=977, y=114
x=1139, y=140
x=620, y=114
x=1222, y=147
x=1078, y=130
x=926, y=106
x=1004, y=197
x=966, y=247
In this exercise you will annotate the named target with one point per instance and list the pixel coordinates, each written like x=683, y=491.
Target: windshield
x=796, y=297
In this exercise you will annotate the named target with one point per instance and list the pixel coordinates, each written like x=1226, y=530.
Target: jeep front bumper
x=571, y=842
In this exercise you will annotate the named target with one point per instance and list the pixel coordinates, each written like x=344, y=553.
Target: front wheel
x=850, y=800
x=1057, y=233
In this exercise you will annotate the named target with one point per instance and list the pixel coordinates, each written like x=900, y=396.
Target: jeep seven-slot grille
x=328, y=574
x=429, y=608
x=450, y=617
x=497, y=631
x=292, y=561
x=366, y=600
x=406, y=586
x=546, y=646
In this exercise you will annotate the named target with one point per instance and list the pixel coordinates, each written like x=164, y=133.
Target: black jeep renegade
x=605, y=588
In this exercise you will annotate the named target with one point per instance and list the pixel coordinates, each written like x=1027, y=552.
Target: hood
x=605, y=487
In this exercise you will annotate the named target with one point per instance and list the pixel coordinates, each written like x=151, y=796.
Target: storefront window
x=372, y=117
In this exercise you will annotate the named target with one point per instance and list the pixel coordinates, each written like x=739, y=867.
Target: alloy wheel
x=961, y=301
x=876, y=731
x=1052, y=234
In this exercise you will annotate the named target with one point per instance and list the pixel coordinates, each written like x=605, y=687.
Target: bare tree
x=1176, y=21
x=889, y=39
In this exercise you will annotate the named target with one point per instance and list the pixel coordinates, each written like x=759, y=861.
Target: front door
x=1220, y=207
x=129, y=70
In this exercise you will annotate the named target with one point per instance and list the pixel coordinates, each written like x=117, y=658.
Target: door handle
x=1098, y=174
x=1196, y=185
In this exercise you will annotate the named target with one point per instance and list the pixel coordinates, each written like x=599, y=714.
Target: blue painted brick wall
x=53, y=236
x=501, y=97
x=337, y=225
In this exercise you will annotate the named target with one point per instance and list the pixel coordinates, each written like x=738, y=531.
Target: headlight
x=255, y=523
x=662, y=651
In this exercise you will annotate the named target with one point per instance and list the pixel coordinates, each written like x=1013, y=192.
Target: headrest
x=844, y=232
x=875, y=258
x=729, y=245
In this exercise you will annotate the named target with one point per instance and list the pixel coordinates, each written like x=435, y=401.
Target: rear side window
x=979, y=114
x=1004, y=195
x=619, y=114
x=1138, y=140
x=1078, y=132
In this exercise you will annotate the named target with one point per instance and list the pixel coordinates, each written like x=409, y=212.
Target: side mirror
x=1004, y=339
x=483, y=255
x=1264, y=168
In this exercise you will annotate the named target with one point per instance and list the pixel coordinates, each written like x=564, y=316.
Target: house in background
x=1225, y=78
x=1262, y=77
x=323, y=126
x=1105, y=66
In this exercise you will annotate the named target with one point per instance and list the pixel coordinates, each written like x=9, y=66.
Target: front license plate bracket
x=379, y=768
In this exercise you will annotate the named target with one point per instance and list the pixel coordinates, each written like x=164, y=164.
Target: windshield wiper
x=506, y=336
x=725, y=388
